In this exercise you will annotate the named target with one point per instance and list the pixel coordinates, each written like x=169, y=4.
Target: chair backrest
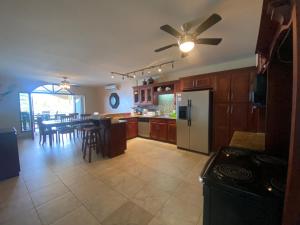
x=66, y=118
x=74, y=115
x=41, y=127
x=58, y=116
x=85, y=116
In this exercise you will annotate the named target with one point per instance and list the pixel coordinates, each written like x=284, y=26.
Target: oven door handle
x=206, y=167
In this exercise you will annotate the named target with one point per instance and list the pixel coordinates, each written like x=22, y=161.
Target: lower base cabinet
x=131, y=128
x=163, y=130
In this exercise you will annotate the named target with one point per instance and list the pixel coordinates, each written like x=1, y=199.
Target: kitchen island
x=113, y=136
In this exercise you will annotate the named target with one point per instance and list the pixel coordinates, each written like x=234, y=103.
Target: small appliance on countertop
x=243, y=187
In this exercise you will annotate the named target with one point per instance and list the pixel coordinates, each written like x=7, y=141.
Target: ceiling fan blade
x=209, y=41
x=188, y=25
x=165, y=47
x=212, y=20
x=167, y=28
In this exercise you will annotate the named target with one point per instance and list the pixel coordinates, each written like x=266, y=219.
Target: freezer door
x=200, y=121
x=182, y=120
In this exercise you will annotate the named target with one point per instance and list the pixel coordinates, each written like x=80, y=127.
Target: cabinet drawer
x=132, y=120
x=158, y=120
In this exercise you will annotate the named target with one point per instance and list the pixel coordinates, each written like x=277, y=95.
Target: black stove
x=243, y=187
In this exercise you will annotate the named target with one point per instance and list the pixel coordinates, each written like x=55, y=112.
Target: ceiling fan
x=65, y=84
x=186, y=41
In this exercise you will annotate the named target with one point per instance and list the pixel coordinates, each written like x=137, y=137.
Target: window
x=25, y=112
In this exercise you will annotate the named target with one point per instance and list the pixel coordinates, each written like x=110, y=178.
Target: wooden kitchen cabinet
x=231, y=105
x=221, y=125
x=131, y=128
x=240, y=84
x=199, y=82
x=238, y=117
x=222, y=88
x=172, y=137
x=143, y=95
x=159, y=131
x=163, y=130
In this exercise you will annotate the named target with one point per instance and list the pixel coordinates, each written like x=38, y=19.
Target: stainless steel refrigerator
x=193, y=120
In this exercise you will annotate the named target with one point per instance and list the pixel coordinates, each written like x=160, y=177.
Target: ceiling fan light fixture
x=65, y=84
x=186, y=46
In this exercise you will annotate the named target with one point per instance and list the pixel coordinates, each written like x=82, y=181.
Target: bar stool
x=90, y=141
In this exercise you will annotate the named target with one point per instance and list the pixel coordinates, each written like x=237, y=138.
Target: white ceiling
x=86, y=39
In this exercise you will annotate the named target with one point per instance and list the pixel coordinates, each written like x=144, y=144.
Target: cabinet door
x=149, y=95
x=203, y=82
x=131, y=128
x=163, y=131
x=187, y=84
x=221, y=125
x=136, y=96
x=238, y=117
x=240, y=86
x=142, y=95
x=172, y=132
x=256, y=118
x=154, y=130
x=222, y=88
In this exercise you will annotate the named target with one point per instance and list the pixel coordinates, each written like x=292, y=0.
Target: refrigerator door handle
x=189, y=112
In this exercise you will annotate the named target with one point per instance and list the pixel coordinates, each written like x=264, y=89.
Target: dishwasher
x=144, y=127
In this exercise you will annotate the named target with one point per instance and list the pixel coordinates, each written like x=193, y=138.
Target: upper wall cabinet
x=196, y=82
x=143, y=95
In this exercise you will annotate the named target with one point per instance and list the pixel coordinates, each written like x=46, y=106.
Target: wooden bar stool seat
x=90, y=141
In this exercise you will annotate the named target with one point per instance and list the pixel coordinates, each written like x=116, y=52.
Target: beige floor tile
x=48, y=193
x=57, y=208
x=13, y=207
x=88, y=190
x=79, y=216
x=151, y=198
x=37, y=183
x=105, y=203
x=128, y=214
x=129, y=185
x=11, y=189
x=190, y=193
x=27, y=217
x=177, y=211
x=165, y=182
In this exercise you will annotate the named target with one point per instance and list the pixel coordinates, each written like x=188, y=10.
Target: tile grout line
x=35, y=209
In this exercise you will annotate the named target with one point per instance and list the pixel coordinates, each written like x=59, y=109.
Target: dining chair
x=74, y=115
x=66, y=128
x=44, y=132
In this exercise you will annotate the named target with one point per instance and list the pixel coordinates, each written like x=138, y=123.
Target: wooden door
x=238, y=117
x=221, y=125
x=222, y=88
x=240, y=86
x=172, y=133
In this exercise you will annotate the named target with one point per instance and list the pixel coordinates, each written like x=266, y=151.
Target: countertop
x=150, y=117
x=249, y=140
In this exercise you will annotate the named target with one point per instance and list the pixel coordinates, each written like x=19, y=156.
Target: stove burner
x=233, y=172
x=278, y=184
x=263, y=158
x=235, y=152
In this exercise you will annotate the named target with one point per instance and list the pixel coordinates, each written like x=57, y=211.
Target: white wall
x=9, y=104
x=126, y=93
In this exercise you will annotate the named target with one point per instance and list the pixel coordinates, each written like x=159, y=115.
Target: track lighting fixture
x=148, y=69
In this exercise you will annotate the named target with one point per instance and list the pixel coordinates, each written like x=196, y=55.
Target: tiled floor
x=152, y=183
